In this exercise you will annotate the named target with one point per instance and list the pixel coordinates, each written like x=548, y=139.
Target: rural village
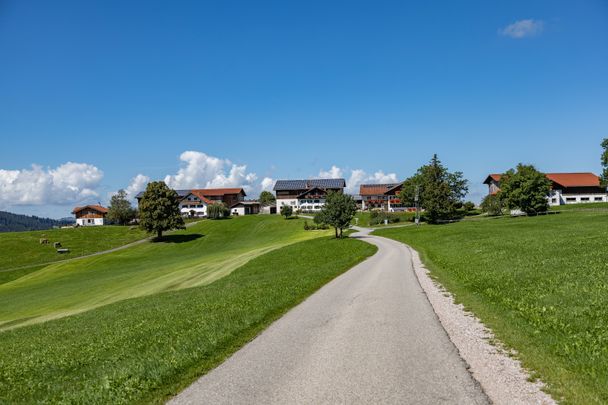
x=313, y=202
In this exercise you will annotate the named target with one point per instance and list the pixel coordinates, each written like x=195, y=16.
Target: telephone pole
x=417, y=201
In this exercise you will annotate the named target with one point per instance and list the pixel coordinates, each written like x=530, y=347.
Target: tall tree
x=440, y=192
x=120, y=210
x=526, y=189
x=267, y=198
x=604, y=161
x=338, y=211
x=159, y=209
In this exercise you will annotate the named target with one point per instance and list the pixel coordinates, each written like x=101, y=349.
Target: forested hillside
x=14, y=222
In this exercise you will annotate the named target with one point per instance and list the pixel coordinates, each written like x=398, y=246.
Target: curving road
x=369, y=336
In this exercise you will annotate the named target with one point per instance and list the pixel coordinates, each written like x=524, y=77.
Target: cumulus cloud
x=138, y=183
x=66, y=184
x=200, y=170
x=358, y=177
x=523, y=28
x=266, y=184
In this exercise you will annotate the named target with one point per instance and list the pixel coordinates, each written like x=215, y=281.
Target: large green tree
x=604, y=161
x=338, y=211
x=267, y=198
x=120, y=210
x=526, y=189
x=217, y=210
x=440, y=192
x=159, y=209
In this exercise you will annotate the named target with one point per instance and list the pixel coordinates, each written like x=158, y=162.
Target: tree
x=217, y=210
x=440, y=192
x=267, y=198
x=120, y=210
x=159, y=209
x=526, y=189
x=605, y=163
x=338, y=211
x=286, y=210
x=491, y=205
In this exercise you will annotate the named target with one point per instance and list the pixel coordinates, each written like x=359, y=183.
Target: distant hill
x=10, y=222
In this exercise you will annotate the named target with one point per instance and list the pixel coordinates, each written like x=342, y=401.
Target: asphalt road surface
x=370, y=336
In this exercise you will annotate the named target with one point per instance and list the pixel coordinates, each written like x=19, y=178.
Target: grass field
x=147, y=348
x=582, y=206
x=541, y=283
x=199, y=255
x=23, y=249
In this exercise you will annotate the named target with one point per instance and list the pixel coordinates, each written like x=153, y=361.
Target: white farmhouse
x=90, y=215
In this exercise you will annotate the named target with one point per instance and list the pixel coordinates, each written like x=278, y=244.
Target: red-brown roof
x=95, y=207
x=376, y=189
x=575, y=179
x=563, y=179
x=200, y=195
x=219, y=191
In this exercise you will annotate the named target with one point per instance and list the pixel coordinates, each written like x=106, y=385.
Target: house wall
x=89, y=221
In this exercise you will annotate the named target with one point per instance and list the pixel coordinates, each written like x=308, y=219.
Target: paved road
x=369, y=336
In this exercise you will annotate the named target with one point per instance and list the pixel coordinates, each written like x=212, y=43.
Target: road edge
x=500, y=375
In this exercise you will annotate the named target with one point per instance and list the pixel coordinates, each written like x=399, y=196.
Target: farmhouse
x=306, y=195
x=90, y=215
x=194, y=202
x=566, y=188
x=383, y=196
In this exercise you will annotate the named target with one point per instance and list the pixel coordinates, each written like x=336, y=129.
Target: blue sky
x=97, y=93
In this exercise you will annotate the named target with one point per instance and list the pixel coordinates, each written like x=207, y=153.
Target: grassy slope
x=540, y=283
x=20, y=249
x=582, y=206
x=144, y=349
x=196, y=256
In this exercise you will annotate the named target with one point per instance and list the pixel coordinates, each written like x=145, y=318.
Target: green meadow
x=21, y=252
x=148, y=348
x=540, y=283
x=199, y=255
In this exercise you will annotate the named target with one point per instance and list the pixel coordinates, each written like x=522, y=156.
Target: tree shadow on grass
x=179, y=238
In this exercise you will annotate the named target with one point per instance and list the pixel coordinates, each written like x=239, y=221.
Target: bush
x=314, y=227
x=286, y=211
x=378, y=217
x=491, y=205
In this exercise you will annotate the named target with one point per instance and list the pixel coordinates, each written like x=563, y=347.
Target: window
x=599, y=199
x=570, y=199
x=554, y=201
x=584, y=198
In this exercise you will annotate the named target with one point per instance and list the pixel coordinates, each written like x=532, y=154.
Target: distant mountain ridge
x=10, y=222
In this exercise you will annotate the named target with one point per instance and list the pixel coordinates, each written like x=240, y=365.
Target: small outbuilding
x=245, y=208
x=90, y=215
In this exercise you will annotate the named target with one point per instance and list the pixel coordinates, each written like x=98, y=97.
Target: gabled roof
x=95, y=207
x=247, y=202
x=376, y=189
x=585, y=179
x=310, y=190
x=307, y=184
x=219, y=191
x=575, y=179
x=495, y=177
x=200, y=196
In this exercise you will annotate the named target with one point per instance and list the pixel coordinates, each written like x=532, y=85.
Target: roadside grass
x=149, y=348
x=363, y=218
x=199, y=255
x=540, y=283
x=20, y=249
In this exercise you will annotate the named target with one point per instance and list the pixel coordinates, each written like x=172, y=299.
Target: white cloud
x=266, y=184
x=523, y=28
x=358, y=177
x=203, y=171
x=138, y=183
x=66, y=184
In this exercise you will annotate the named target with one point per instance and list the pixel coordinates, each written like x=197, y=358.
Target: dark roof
x=246, y=202
x=306, y=184
x=180, y=193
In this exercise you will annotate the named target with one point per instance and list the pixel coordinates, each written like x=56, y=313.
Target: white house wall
x=89, y=221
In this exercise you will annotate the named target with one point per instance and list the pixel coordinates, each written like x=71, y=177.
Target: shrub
x=286, y=211
x=217, y=210
x=491, y=205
